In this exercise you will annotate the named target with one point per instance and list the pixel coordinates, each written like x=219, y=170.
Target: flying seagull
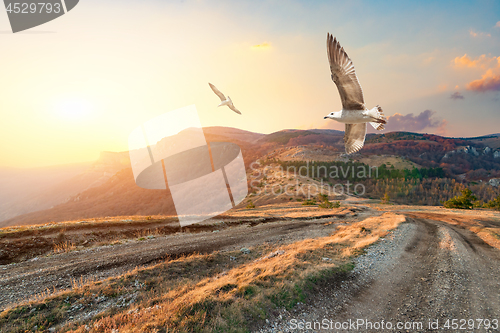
x=224, y=101
x=354, y=113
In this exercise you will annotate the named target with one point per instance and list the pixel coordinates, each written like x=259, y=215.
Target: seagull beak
x=325, y=118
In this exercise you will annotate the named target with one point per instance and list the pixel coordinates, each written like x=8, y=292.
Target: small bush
x=309, y=202
x=250, y=205
x=322, y=197
x=494, y=204
x=325, y=203
x=465, y=201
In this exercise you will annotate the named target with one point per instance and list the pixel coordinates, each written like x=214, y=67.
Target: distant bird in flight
x=224, y=101
x=354, y=113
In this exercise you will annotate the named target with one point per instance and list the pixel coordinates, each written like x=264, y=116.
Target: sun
x=73, y=108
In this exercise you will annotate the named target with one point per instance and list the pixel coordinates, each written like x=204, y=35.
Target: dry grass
x=64, y=247
x=147, y=233
x=93, y=221
x=43, y=295
x=79, y=284
x=23, y=243
x=489, y=234
x=221, y=292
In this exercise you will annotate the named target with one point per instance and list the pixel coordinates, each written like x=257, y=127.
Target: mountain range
x=107, y=188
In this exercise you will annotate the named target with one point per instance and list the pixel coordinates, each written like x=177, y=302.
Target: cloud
x=412, y=123
x=262, y=46
x=497, y=25
x=457, y=95
x=480, y=62
x=478, y=34
x=490, y=81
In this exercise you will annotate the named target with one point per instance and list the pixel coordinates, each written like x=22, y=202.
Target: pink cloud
x=490, y=81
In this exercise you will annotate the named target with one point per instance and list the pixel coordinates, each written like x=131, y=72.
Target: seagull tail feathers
x=378, y=115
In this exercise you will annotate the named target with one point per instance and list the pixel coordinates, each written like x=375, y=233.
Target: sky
x=80, y=84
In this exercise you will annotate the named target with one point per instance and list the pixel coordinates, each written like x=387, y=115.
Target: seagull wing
x=354, y=137
x=217, y=92
x=231, y=106
x=344, y=76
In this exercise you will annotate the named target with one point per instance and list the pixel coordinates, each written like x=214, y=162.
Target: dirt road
x=426, y=272
x=428, y=276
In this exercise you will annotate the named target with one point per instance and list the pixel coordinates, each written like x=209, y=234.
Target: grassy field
x=217, y=292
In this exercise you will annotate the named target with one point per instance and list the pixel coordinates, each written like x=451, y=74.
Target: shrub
x=465, y=201
x=325, y=203
x=309, y=202
x=250, y=205
x=495, y=203
x=322, y=197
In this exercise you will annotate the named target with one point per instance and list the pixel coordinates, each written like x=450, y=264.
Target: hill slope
x=116, y=194
x=36, y=189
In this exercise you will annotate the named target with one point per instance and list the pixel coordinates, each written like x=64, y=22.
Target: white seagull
x=224, y=101
x=354, y=113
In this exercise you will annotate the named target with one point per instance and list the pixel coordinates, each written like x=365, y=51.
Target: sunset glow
x=83, y=83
